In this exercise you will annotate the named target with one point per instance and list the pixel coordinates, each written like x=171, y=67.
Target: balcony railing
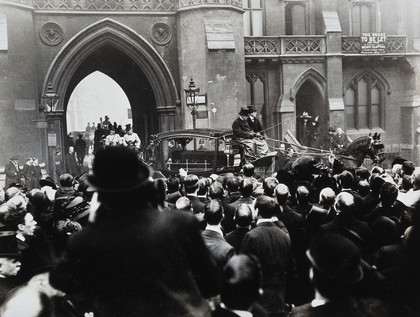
x=274, y=45
x=312, y=45
x=394, y=44
x=303, y=44
x=266, y=45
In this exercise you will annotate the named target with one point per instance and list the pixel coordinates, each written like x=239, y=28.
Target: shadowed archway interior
x=123, y=70
x=309, y=99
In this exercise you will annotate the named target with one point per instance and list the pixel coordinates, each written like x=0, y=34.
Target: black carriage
x=197, y=151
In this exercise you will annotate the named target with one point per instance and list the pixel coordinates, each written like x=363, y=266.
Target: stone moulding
x=161, y=33
x=129, y=5
x=107, y=5
x=51, y=33
x=192, y=3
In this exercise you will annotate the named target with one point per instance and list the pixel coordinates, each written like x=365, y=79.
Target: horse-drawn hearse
x=207, y=151
x=198, y=151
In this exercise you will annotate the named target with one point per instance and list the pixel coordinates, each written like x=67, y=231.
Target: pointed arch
x=364, y=93
x=110, y=32
x=371, y=75
x=315, y=77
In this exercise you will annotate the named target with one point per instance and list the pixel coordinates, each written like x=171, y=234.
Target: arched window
x=363, y=17
x=253, y=17
x=296, y=17
x=3, y=32
x=364, y=99
x=256, y=92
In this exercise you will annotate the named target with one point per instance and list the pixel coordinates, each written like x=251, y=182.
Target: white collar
x=215, y=228
x=241, y=313
x=261, y=220
x=319, y=300
x=20, y=236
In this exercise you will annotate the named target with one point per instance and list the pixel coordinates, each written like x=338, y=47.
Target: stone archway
x=310, y=98
x=109, y=33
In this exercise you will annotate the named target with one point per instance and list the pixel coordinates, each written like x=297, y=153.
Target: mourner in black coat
x=134, y=260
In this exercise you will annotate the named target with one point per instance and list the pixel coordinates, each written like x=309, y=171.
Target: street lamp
x=53, y=116
x=50, y=99
x=191, y=95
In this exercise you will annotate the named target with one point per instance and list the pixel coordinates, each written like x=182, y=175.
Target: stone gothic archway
x=109, y=33
x=310, y=98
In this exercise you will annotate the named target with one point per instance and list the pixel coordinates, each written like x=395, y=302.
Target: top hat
x=8, y=244
x=252, y=109
x=337, y=258
x=408, y=167
x=118, y=170
x=47, y=181
x=244, y=111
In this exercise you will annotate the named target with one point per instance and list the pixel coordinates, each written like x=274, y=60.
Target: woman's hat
x=47, y=181
x=117, y=169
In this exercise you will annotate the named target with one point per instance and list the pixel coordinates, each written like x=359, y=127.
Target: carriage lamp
x=50, y=99
x=191, y=95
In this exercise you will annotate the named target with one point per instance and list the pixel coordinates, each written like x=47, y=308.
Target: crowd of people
x=119, y=243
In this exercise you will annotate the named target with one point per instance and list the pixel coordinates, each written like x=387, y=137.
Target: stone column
x=334, y=69
x=211, y=51
x=410, y=113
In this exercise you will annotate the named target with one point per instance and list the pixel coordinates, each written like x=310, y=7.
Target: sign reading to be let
x=373, y=43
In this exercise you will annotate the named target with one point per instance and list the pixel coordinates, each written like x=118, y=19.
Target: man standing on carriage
x=329, y=142
x=255, y=146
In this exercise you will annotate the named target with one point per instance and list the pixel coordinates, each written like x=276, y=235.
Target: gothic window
x=363, y=17
x=296, y=17
x=253, y=17
x=3, y=32
x=364, y=99
x=256, y=91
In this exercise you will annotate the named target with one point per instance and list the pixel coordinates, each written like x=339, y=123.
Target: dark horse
x=350, y=157
x=353, y=155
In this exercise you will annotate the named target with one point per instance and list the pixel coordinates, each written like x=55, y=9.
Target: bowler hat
x=337, y=258
x=47, y=181
x=244, y=111
x=8, y=244
x=117, y=169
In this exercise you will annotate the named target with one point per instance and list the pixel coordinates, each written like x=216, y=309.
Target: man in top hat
x=131, y=139
x=133, y=260
x=12, y=171
x=254, y=144
x=9, y=263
